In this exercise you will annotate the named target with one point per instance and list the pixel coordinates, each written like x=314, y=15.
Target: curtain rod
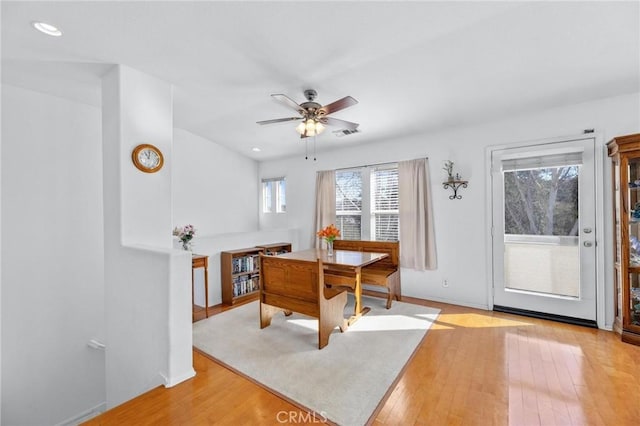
x=377, y=164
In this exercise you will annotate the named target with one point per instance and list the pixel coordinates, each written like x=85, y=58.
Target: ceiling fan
x=313, y=115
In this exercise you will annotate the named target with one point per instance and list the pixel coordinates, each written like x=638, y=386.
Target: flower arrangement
x=448, y=167
x=329, y=233
x=185, y=234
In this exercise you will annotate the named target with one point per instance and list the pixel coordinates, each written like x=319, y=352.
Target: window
x=349, y=204
x=367, y=203
x=273, y=195
x=384, y=206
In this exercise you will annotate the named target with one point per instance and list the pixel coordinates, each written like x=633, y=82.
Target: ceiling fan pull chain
x=314, y=147
x=306, y=149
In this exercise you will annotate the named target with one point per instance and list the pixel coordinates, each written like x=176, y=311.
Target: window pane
x=267, y=191
x=541, y=247
x=384, y=197
x=541, y=201
x=281, y=197
x=348, y=191
x=349, y=204
x=385, y=187
x=350, y=227
x=386, y=227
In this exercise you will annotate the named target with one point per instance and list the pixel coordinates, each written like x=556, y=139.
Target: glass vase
x=329, y=248
x=186, y=245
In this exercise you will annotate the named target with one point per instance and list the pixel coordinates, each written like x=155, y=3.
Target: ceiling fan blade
x=343, y=103
x=330, y=121
x=279, y=120
x=287, y=101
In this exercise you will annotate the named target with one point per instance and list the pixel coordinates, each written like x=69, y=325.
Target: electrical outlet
x=445, y=283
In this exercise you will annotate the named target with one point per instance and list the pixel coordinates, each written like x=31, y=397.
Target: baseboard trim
x=85, y=415
x=174, y=380
x=451, y=302
x=545, y=316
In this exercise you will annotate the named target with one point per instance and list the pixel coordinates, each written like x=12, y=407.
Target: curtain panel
x=325, y=212
x=417, y=239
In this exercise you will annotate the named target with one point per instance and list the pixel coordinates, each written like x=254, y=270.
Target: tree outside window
x=542, y=201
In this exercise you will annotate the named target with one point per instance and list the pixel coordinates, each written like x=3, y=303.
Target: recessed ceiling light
x=48, y=29
x=256, y=149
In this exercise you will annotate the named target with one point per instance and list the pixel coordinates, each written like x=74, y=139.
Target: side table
x=200, y=261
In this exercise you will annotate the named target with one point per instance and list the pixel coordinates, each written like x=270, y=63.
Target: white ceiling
x=414, y=67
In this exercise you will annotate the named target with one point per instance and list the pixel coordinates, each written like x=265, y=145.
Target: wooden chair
x=289, y=285
x=384, y=273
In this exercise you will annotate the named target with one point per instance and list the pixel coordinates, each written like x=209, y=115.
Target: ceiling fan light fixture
x=313, y=115
x=310, y=127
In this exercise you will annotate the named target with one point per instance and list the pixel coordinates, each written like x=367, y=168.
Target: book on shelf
x=245, y=264
x=240, y=274
x=276, y=252
x=244, y=284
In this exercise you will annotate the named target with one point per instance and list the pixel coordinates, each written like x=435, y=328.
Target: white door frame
x=601, y=300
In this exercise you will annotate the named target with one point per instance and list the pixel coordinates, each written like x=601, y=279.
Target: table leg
x=206, y=293
x=193, y=314
x=357, y=292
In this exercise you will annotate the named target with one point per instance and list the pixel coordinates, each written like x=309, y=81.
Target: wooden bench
x=290, y=285
x=384, y=273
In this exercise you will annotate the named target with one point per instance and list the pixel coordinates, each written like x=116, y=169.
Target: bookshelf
x=240, y=271
x=275, y=248
x=240, y=275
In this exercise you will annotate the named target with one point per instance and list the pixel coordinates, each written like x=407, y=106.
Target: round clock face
x=147, y=158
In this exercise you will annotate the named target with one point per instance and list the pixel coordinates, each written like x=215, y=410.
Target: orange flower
x=330, y=233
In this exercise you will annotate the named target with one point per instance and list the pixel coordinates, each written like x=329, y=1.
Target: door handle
x=587, y=243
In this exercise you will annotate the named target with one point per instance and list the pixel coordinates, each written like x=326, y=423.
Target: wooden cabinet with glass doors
x=625, y=156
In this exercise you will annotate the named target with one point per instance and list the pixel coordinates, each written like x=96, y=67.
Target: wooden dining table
x=345, y=262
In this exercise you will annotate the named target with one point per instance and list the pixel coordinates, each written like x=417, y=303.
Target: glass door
x=630, y=299
x=543, y=229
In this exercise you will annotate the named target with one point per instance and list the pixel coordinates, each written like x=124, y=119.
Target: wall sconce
x=453, y=182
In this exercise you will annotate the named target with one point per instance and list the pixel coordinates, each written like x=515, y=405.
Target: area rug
x=345, y=381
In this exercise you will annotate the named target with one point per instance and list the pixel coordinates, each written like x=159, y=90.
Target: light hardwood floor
x=473, y=368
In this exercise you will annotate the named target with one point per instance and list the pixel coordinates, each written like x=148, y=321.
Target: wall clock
x=147, y=158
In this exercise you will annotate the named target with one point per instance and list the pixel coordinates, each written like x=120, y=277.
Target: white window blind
x=542, y=161
x=384, y=196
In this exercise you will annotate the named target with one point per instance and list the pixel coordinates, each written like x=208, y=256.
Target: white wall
x=460, y=225
x=52, y=251
x=214, y=189
x=52, y=198
x=148, y=311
